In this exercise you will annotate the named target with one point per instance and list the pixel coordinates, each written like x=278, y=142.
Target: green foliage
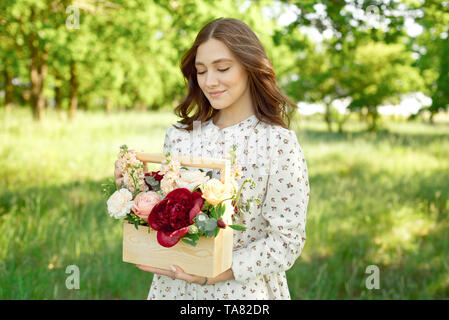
x=432, y=48
x=135, y=220
x=126, y=54
x=379, y=74
x=123, y=54
x=237, y=227
x=109, y=188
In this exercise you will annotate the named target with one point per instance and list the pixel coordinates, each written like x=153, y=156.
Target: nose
x=211, y=79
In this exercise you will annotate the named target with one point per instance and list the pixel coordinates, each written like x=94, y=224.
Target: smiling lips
x=216, y=94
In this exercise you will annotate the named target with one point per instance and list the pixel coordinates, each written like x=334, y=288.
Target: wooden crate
x=210, y=257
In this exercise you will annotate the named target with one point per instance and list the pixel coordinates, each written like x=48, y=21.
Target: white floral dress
x=275, y=234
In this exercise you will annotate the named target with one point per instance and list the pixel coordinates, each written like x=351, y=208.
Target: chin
x=219, y=106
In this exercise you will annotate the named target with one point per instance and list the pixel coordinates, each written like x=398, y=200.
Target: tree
x=349, y=26
x=377, y=74
x=432, y=47
x=30, y=24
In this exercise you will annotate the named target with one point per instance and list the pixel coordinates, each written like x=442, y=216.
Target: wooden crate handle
x=224, y=165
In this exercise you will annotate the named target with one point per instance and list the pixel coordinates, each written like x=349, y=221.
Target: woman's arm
x=177, y=272
x=284, y=209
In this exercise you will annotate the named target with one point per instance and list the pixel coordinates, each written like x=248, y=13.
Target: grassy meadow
x=376, y=199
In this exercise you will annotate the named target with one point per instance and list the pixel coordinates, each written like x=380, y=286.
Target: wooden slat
x=210, y=257
x=198, y=162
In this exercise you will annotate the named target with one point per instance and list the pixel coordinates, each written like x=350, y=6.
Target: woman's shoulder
x=176, y=129
x=277, y=131
x=179, y=129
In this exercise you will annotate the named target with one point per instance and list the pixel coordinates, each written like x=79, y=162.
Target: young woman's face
x=220, y=75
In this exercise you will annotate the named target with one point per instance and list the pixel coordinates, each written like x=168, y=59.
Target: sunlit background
x=371, y=80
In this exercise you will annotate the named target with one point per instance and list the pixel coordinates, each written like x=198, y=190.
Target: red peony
x=172, y=216
x=155, y=175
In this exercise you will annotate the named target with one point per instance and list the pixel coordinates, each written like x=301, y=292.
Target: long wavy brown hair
x=271, y=105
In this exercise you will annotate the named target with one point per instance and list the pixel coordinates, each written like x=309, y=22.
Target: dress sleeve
x=284, y=208
x=167, y=141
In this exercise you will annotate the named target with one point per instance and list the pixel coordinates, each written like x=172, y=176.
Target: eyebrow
x=215, y=61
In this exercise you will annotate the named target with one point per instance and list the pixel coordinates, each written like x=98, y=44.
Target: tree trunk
x=108, y=106
x=58, y=100
x=328, y=117
x=38, y=73
x=374, y=115
x=58, y=94
x=432, y=114
x=73, y=100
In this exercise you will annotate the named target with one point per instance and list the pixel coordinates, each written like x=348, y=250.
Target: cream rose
x=120, y=203
x=169, y=182
x=214, y=191
x=191, y=178
x=144, y=202
x=233, y=184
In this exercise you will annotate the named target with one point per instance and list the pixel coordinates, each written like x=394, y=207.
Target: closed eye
x=221, y=70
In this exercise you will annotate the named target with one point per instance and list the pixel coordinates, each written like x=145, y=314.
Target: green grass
x=376, y=199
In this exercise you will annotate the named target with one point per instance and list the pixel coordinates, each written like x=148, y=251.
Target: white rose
x=192, y=178
x=120, y=203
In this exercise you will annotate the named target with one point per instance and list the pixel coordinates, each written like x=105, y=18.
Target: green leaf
x=197, y=187
x=237, y=227
x=191, y=239
x=211, y=224
x=221, y=210
x=210, y=233
x=124, y=148
x=213, y=213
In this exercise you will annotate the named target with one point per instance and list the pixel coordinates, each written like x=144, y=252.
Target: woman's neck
x=229, y=119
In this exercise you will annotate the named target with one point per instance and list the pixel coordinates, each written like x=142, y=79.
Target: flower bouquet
x=176, y=215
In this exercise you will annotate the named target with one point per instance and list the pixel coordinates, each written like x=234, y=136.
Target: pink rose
x=144, y=202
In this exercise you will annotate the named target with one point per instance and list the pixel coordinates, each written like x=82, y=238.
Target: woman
x=232, y=84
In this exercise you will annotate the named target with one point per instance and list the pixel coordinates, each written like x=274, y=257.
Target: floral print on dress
x=275, y=234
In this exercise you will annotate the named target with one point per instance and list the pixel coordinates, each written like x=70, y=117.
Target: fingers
x=119, y=182
x=176, y=272
x=118, y=173
x=180, y=274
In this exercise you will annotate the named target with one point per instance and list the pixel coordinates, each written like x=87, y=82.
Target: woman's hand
x=178, y=273
x=118, y=175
